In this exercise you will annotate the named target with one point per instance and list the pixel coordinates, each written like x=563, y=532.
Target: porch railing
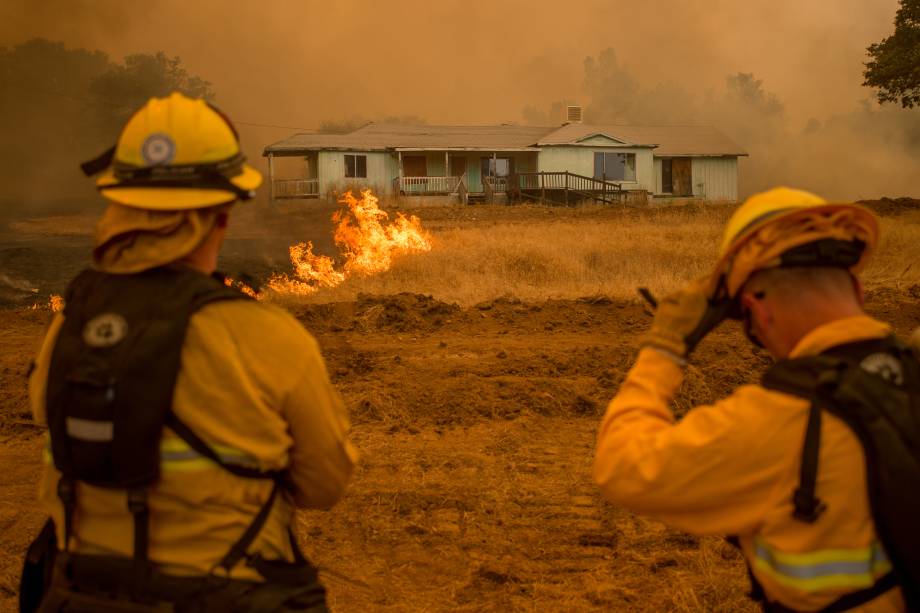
x=497, y=185
x=426, y=185
x=296, y=188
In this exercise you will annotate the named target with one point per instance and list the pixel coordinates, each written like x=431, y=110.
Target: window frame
x=355, y=165
x=625, y=156
x=488, y=165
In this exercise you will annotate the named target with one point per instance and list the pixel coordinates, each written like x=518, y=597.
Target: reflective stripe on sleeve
x=825, y=568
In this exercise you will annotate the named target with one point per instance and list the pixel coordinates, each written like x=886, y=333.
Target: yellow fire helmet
x=791, y=227
x=175, y=153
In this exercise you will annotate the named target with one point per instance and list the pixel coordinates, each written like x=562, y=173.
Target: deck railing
x=566, y=188
x=427, y=185
x=296, y=188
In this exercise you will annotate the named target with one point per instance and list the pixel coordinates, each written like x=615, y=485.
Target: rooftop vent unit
x=573, y=114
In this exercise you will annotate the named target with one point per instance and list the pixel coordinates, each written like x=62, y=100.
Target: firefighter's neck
x=784, y=312
x=795, y=324
x=204, y=256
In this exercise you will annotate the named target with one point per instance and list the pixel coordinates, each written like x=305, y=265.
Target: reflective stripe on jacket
x=813, y=571
x=731, y=468
x=177, y=455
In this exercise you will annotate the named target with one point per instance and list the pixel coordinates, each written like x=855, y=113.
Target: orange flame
x=242, y=287
x=55, y=304
x=368, y=245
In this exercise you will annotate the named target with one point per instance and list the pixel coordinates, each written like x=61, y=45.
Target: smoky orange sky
x=297, y=63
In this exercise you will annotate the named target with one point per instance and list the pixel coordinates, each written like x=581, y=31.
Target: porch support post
x=271, y=178
x=399, y=184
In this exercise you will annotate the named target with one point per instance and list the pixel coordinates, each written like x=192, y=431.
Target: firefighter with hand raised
x=813, y=471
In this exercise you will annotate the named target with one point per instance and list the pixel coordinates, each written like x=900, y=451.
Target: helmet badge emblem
x=158, y=149
x=105, y=330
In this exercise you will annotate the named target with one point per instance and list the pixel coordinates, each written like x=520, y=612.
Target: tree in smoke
x=894, y=67
x=124, y=88
x=613, y=91
x=747, y=90
x=61, y=106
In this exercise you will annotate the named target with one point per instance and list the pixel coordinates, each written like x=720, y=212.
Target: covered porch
x=299, y=175
x=469, y=174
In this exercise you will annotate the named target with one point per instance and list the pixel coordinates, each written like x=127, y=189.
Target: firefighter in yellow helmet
x=186, y=421
x=778, y=465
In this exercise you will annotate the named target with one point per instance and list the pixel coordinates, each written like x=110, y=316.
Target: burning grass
x=368, y=242
x=591, y=252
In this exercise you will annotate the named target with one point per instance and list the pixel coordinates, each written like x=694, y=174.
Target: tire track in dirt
x=498, y=517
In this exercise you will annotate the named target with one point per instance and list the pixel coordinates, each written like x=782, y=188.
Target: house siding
x=580, y=160
x=331, y=167
x=714, y=178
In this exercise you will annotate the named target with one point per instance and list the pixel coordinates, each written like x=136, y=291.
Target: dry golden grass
x=599, y=251
x=81, y=224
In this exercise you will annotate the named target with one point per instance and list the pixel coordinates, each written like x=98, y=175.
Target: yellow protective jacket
x=253, y=385
x=731, y=468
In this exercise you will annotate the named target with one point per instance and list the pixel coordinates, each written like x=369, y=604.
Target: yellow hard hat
x=175, y=153
x=791, y=227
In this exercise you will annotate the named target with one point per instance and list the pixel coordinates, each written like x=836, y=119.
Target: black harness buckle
x=808, y=507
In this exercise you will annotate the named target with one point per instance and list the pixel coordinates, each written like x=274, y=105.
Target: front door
x=681, y=177
x=415, y=166
x=457, y=167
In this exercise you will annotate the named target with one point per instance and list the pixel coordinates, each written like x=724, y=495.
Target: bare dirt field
x=475, y=409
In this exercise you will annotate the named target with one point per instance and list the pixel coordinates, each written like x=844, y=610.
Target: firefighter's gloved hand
x=683, y=319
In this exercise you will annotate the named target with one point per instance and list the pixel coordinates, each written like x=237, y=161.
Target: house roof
x=381, y=137
x=666, y=140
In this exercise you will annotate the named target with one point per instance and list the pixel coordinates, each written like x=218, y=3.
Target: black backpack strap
x=809, y=378
x=808, y=507
x=140, y=514
x=67, y=493
x=195, y=442
x=238, y=551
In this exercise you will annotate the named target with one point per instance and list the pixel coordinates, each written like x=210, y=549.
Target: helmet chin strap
x=99, y=163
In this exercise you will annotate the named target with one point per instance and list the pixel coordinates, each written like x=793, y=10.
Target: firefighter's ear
x=222, y=220
x=758, y=314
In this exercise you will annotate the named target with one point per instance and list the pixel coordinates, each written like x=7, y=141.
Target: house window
x=615, y=166
x=496, y=167
x=667, y=185
x=355, y=166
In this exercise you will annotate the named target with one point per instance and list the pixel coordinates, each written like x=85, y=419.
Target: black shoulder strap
x=238, y=551
x=806, y=378
x=202, y=448
x=807, y=506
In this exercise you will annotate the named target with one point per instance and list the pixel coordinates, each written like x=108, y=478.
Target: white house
x=573, y=162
